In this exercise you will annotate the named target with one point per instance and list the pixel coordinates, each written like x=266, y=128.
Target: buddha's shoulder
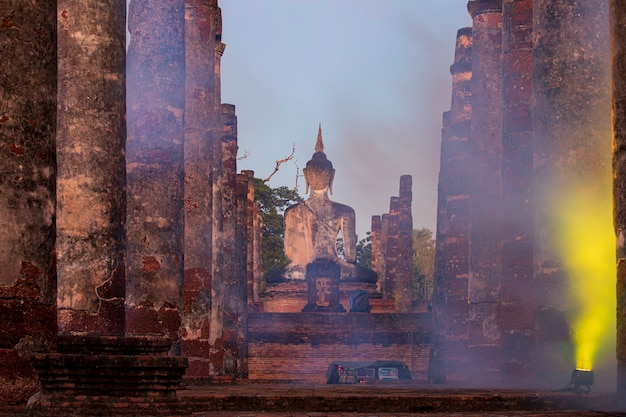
x=343, y=207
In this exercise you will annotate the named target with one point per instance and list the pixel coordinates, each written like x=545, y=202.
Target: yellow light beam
x=586, y=242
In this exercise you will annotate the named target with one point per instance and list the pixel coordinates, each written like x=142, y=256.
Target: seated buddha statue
x=312, y=227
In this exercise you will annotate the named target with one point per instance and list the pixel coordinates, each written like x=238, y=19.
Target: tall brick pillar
x=242, y=267
x=392, y=248
x=255, y=247
x=91, y=167
x=516, y=296
x=245, y=190
x=618, y=65
x=221, y=359
x=485, y=181
x=202, y=132
x=450, y=307
x=233, y=282
x=27, y=190
x=380, y=243
x=154, y=228
x=377, y=254
x=571, y=150
x=401, y=209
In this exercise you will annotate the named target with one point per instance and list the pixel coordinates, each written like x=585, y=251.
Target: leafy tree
x=363, y=251
x=273, y=202
x=423, y=263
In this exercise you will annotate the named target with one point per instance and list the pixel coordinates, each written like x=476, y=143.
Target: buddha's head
x=319, y=171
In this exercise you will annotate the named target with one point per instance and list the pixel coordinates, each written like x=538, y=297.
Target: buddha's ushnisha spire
x=319, y=145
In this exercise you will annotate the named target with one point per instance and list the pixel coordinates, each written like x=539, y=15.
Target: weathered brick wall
x=289, y=347
x=273, y=362
x=28, y=88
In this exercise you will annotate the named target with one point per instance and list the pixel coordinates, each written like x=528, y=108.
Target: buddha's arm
x=348, y=232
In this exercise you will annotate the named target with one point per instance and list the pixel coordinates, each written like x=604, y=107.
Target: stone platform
x=391, y=397
x=382, y=400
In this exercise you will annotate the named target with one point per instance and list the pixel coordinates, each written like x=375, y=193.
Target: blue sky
x=374, y=73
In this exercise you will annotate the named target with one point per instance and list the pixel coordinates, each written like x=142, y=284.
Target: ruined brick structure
x=529, y=114
x=452, y=235
x=129, y=241
x=294, y=337
x=392, y=252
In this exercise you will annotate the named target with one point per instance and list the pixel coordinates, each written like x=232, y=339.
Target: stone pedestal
x=322, y=276
x=107, y=375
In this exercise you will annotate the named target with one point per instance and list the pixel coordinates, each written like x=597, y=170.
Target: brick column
x=375, y=235
x=245, y=187
x=27, y=190
x=449, y=300
x=517, y=295
x=217, y=353
x=91, y=167
x=618, y=65
x=571, y=148
x=386, y=285
x=257, y=247
x=401, y=207
x=154, y=229
x=202, y=129
x=242, y=268
x=485, y=181
x=392, y=248
x=232, y=283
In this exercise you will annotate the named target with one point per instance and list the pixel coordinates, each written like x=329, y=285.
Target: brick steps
x=101, y=376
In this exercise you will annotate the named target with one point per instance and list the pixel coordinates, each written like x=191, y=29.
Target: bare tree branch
x=297, y=175
x=245, y=155
x=279, y=162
